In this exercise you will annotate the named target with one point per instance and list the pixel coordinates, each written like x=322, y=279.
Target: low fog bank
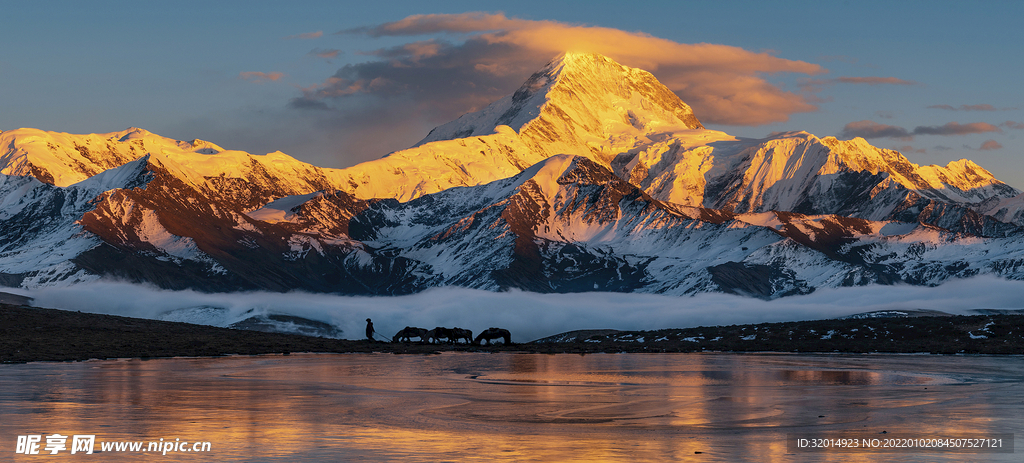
x=528, y=316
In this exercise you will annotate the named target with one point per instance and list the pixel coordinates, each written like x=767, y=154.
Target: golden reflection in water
x=521, y=407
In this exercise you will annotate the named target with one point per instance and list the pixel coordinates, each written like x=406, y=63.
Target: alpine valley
x=590, y=177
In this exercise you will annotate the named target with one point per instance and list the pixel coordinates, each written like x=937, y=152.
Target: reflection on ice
x=716, y=377
x=617, y=407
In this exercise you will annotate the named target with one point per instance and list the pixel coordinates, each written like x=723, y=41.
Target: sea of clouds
x=527, y=315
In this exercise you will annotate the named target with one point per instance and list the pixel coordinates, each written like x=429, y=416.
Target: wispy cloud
x=874, y=81
x=990, y=145
x=329, y=53
x=871, y=129
x=487, y=56
x=910, y=149
x=1013, y=125
x=306, y=36
x=814, y=85
x=969, y=107
x=955, y=128
x=260, y=76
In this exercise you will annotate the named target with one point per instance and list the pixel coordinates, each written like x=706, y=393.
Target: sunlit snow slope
x=623, y=119
x=63, y=159
x=591, y=176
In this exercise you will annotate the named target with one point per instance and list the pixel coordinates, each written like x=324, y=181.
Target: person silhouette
x=369, y=329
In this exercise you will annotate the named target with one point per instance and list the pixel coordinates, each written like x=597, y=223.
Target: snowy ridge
x=63, y=159
x=281, y=210
x=621, y=118
x=591, y=177
x=565, y=216
x=797, y=171
x=567, y=224
x=41, y=232
x=1010, y=210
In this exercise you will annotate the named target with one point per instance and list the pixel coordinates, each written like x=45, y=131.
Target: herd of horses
x=451, y=335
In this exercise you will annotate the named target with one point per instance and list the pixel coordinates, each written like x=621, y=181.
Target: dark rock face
x=761, y=281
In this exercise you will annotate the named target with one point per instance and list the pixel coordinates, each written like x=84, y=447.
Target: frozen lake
x=515, y=407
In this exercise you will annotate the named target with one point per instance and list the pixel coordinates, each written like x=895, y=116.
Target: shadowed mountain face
x=590, y=177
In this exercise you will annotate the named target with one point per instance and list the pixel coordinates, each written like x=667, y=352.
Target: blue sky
x=937, y=80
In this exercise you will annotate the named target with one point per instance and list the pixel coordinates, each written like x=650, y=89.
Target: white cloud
x=530, y=315
x=494, y=54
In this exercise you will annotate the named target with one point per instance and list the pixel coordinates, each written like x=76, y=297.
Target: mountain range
x=592, y=176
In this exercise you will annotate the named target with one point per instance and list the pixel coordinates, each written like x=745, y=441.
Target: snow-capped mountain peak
x=579, y=104
x=623, y=119
x=960, y=181
x=578, y=94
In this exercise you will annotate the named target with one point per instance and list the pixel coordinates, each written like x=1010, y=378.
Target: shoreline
x=31, y=334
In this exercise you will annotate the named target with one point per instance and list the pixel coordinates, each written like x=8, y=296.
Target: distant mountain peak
x=579, y=92
x=579, y=57
x=581, y=104
x=132, y=133
x=574, y=64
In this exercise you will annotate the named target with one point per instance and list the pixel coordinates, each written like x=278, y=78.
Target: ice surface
x=530, y=407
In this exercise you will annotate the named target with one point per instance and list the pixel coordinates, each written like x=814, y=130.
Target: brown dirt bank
x=33, y=334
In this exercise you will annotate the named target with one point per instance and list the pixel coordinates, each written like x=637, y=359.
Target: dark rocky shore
x=32, y=334
x=947, y=334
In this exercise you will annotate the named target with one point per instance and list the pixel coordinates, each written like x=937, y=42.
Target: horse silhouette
x=493, y=333
x=409, y=332
x=437, y=334
x=460, y=333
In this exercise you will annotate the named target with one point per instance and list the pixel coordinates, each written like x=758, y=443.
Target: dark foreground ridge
x=29, y=334
x=32, y=334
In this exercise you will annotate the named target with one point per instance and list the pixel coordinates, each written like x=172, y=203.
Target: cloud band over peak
x=490, y=55
x=871, y=129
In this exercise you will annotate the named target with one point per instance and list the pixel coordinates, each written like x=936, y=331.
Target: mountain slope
x=591, y=177
x=625, y=120
x=180, y=234
x=1010, y=210
x=557, y=226
x=250, y=181
x=799, y=172
x=569, y=224
x=565, y=224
